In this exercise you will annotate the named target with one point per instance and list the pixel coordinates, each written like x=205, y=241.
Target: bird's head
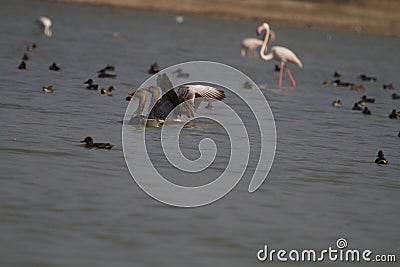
x=263, y=27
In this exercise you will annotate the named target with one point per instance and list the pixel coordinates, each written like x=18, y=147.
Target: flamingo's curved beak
x=132, y=93
x=260, y=29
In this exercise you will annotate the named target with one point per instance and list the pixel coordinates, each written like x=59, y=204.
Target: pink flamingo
x=279, y=53
x=251, y=45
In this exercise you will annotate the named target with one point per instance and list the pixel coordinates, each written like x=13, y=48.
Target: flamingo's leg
x=242, y=52
x=255, y=54
x=280, y=75
x=290, y=76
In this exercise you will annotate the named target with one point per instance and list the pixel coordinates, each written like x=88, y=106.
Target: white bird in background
x=195, y=94
x=279, y=53
x=251, y=44
x=45, y=24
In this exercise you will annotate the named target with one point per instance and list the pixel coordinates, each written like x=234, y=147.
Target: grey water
x=64, y=205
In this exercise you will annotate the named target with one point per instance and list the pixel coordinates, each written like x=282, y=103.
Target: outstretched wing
x=167, y=102
x=193, y=95
x=164, y=83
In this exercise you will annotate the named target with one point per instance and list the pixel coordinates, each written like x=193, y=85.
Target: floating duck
x=103, y=74
x=366, y=111
x=366, y=78
x=153, y=68
x=26, y=57
x=91, y=85
x=108, y=67
x=337, y=75
x=356, y=107
x=23, y=66
x=338, y=83
x=108, y=91
x=337, y=103
x=90, y=144
x=54, y=67
x=394, y=115
x=388, y=86
x=181, y=74
x=395, y=96
x=368, y=100
x=247, y=85
x=48, y=89
x=357, y=88
x=31, y=47
x=381, y=158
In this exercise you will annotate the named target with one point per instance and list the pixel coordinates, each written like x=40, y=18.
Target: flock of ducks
x=192, y=95
x=45, y=23
x=364, y=101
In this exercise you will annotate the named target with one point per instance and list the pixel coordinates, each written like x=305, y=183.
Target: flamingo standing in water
x=279, y=53
x=45, y=24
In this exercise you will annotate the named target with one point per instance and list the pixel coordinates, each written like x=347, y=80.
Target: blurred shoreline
x=367, y=16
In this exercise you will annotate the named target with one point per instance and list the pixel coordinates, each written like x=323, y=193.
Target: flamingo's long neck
x=142, y=102
x=155, y=95
x=264, y=47
x=47, y=31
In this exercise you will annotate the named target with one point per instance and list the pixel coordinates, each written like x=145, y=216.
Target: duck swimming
x=395, y=96
x=181, y=74
x=366, y=111
x=357, y=88
x=90, y=144
x=103, y=74
x=394, y=115
x=108, y=91
x=337, y=75
x=54, y=67
x=356, y=107
x=26, y=57
x=338, y=83
x=31, y=47
x=381, y=158
x=108, y=67
x=337, y=103
x=23, y=66
x=388, y=86
x=91, y=85
x=247, y=85
x=368, y=100
x=366, y=78
x=153, y=68
x=48, y=89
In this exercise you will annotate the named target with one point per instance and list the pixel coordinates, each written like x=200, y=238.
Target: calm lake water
x=64, y=205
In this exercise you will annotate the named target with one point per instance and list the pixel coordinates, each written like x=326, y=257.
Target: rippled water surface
x=63, y=205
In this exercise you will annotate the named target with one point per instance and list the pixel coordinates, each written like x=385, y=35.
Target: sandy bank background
x=371, y=16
